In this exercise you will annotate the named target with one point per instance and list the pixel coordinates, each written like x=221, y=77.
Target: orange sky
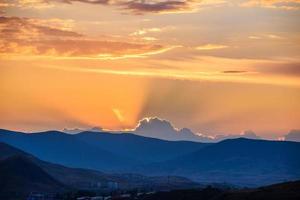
x=213, y=66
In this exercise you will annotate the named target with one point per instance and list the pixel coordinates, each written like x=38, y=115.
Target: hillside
x=243, y=162
x=20, y=176
x=286, y=191
x=237, y=161
x=89, y=179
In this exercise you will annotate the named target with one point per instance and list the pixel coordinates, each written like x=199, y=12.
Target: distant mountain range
x=163, y=129
x=240, y=161
x=22, y=173
x=155, y=127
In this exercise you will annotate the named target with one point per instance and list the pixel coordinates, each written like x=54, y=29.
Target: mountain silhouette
x=238, y=161
x=77, y=178
x=20, y=176
x=65, y=149
x=94, y=150
x=139, y=148
x=244, y=162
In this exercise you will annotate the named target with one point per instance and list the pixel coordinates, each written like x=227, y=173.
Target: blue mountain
x=95, y=150
x=239, y=161
x=140, y=148
x=65, y=149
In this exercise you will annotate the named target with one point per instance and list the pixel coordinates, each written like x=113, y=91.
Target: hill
x=97, y=150
x=238, y=161
x=20, y=176
x=286, y=191
x=92, y=179
x=140, y=148
x=243, y=162
x=65, y=149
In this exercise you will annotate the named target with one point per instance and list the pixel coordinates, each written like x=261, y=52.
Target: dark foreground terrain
x=283, y=191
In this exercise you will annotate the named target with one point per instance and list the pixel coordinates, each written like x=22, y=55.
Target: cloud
x=158, y=6
x=234, y=72
x=246, y=134
x=284, y=68
x=77, y=130
x=145, y=31
x=210, y=47
x=132, y=6
x=293, y=135
x=140, y=7
x=159, y=128
x=275, y=4
x=32, y=37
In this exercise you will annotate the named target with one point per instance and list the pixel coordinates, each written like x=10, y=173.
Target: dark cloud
x=140, y=6
x=83, y=1
x=233, y=72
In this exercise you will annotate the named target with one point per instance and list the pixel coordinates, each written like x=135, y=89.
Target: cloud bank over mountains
x=163, y=129
x=155, y=127
x=78, y=130
x=293, y=135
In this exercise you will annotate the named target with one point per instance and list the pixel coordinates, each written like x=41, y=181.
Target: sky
x=214, y=66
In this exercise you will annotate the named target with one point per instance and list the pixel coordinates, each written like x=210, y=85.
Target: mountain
x=65, y=149
x=20, y=176
x=92, y=179
x=77, y=130
x=97, y=150
x=240, y=161
x=139, y=148
x=237, y=161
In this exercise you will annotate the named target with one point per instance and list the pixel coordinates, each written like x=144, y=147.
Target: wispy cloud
x=210, y=47
x=24, y=36
x=275, y=4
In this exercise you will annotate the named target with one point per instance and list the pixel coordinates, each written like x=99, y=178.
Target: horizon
x=148, y=126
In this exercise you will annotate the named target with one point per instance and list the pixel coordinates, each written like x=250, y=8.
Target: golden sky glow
x=215, y=66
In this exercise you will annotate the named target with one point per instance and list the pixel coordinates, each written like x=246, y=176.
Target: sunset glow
x=217, y=67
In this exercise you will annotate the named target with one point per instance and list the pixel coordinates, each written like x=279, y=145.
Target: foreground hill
x=19, y=176
x=238, y=161
x=283, y=191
